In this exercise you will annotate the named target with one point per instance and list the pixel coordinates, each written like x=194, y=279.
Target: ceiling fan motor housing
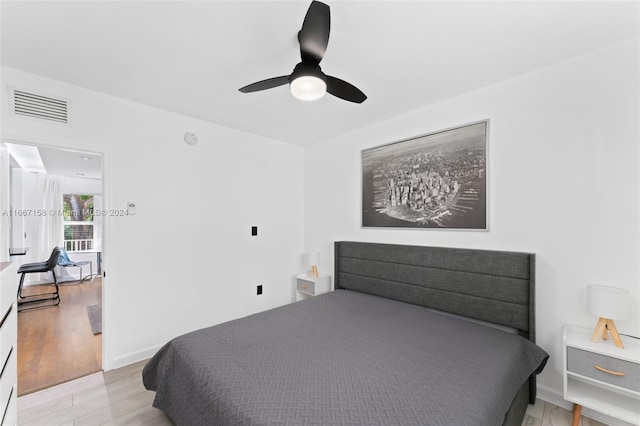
x=305, y=70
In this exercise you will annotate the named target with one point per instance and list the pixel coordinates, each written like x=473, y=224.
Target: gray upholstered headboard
x=493, y=286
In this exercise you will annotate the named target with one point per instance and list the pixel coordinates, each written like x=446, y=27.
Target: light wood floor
x=116, y=397
x=546, y=414
x=56, y=344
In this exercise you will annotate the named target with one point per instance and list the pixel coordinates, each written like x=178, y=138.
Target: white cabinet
x=8, y=343
x=310, y=285
x=601, y=376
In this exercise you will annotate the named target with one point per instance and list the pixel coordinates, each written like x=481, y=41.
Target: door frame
x=104, y=152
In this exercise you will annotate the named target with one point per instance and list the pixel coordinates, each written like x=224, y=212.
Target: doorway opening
x=56, y=200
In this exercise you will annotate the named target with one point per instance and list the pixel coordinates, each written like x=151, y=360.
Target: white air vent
x=41, y=107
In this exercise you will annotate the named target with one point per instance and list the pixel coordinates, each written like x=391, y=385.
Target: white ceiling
x=65, y=162
x=191, y=57
x=56, y=161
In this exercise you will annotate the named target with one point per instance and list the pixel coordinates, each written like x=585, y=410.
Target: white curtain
x=51, y=229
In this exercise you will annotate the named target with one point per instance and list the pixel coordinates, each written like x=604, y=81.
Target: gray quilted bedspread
x=343, y=358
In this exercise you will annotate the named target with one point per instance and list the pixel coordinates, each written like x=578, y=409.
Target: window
x=78, y=222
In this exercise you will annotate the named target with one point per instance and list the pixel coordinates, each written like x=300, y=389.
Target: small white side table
x=601, y=376
x=308, y=285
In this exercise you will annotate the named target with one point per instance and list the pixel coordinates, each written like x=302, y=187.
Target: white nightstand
x=601, y=376
x=311, y=286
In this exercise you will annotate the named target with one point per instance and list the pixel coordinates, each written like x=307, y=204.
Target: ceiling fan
x=307, y=81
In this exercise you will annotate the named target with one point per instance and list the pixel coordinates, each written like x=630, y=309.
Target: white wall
x=186, y=260
x=564, y=184
x=80, y=185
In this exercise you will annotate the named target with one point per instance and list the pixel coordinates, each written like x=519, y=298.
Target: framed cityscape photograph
x=438, y=180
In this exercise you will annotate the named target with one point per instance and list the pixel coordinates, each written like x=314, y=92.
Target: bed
x=387, y=347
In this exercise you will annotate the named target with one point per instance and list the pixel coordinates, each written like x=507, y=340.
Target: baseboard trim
x=553, y=396
x=133, y=357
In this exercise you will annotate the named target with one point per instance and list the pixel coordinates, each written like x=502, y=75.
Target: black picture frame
x=433, y=181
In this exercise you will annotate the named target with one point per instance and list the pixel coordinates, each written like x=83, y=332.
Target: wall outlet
x=259, y=290
x=254, y=230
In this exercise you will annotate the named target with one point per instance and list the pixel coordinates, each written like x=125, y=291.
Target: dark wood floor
x=56, y=344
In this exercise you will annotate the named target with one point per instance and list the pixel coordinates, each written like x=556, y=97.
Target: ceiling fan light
x=308, y=88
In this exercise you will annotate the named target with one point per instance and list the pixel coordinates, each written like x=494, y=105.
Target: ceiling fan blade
x=265, y=84
x=314, y=35
x=344, y=90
